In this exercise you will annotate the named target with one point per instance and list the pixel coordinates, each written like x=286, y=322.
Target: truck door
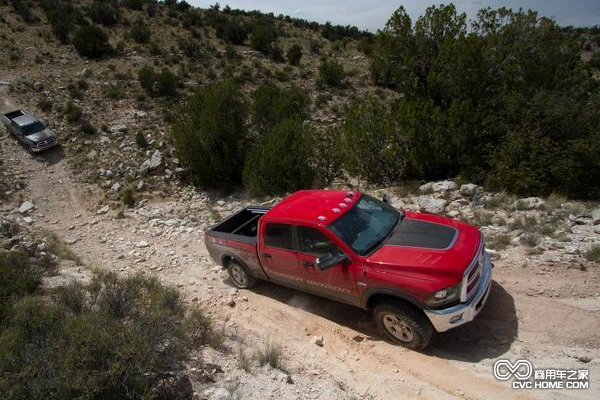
x=279, y=257
x=337, y=282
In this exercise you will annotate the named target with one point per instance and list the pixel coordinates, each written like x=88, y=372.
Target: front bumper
x=460, y=314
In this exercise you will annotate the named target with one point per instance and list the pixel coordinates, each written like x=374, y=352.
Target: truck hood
x=428, y=247
x=41, y=135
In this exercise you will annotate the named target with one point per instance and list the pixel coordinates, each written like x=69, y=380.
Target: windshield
x=366, y=225
x=33, y=128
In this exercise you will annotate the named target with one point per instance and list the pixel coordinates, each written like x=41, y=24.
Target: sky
x=373, y=14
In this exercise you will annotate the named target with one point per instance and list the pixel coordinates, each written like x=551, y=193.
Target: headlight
x=444, y=296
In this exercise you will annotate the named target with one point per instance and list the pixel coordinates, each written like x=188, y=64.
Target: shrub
x=127, y=196
x=272, y=104
x=374, y=149
x=158, y=84
x=72, y=112
x=276, y=54
x=294, y=54
x=86, y=127
x=23, y=9
x=140, y=32
x=104, y=13
x=114, y=338
x=137, y=5
x=209, y=135
x=231, y=31
x=281, y=162
x=140, y=140
x=262, y=38
x=45, y=104
x=270, y=353
x=92, y=42
x=329, y=156
x=595, y=60
x=331, y=73
x=593, y=254
x=18, y=278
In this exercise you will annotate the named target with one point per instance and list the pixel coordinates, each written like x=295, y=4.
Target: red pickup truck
x=418, y=273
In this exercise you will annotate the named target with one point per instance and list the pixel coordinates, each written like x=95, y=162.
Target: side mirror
x=386, y=199
x=329, y=260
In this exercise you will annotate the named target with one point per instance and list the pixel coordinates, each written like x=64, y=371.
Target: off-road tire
x=240, y=276
x=411, y=324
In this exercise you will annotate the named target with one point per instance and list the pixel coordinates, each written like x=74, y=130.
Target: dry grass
x=270, y=353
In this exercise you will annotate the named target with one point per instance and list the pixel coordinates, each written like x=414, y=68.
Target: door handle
x=266, y=255
x=308, y=264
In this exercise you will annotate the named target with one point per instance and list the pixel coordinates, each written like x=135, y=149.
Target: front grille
x=473, y=274
x=46, y=143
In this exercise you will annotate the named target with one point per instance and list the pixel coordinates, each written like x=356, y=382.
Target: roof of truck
x=24, y=120
x=315, y=206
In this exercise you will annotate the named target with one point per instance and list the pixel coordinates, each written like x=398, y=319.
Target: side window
x=279, y=235
x=312, y=241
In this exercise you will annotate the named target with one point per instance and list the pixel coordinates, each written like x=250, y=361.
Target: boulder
x=431, y=204
x=118, y=129
x=103, y=210
x=596, y=216
x=152, y=163
x=529, y=203
x=468, y=189
x=26, y=207
x=444, y=186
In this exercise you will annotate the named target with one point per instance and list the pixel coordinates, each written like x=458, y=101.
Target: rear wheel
x=403, y=325
x=240, y=276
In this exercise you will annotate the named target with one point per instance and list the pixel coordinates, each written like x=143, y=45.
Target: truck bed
x=236, y=237
x=240, y=226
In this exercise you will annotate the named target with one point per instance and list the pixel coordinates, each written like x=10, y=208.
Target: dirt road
x=543, y=315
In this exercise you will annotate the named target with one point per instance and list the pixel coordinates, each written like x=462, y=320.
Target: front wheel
x=240, y=276
x=403, y=325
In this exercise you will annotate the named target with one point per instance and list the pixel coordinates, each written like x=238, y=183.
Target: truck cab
x=419, y=273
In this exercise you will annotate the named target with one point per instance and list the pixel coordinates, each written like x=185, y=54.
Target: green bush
x=64, y=18
x=262, y=38
x=210, y=133
x=158, y=84
x=373, y=146
x=127, y=196
x=281, y=162
x=272, y=104
x=329, y=156
x=231, y=31
x=140, y=32
x=331, y=73
x=23, y=9
x=137, y=5
x=114, y=338
x=18, y=278
x=104, y=13
x=92, y=42
x=595, y=60
x=72, y=112
x=140, y=140
x=294, y=54
x=45, y=104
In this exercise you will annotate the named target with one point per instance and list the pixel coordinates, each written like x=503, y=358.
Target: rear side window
x=279, y=235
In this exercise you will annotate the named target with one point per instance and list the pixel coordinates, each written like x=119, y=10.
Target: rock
x=426, y=188
x=230, y=302
x=596, y=216
x=71, y=241
x=216, y=394
x=140, y=114
x=103, y=210
x=142, y=244
x=317, y=340
x=444, y=186
x=116, y=187
x=86, y=72
x=468, y=189
x=140, y=185
x=38, y=86
x=26, y=207
x=220, y=203
x=431, y=204
x=529, y=203
x=118, y=129
x=28, y=220
x=584, y=359
x=152, y=163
